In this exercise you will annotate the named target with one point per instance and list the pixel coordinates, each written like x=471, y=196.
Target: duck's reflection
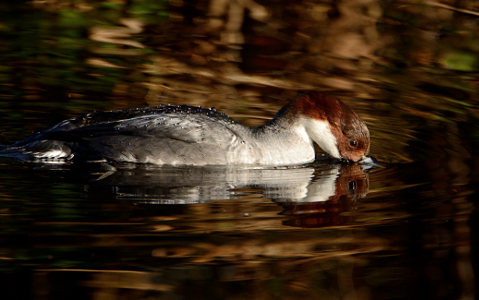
x=309, y=196
x=330, y=201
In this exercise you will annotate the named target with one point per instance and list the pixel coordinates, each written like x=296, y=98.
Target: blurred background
x=409, y=68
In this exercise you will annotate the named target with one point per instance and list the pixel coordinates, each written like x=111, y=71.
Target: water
x=404, y=230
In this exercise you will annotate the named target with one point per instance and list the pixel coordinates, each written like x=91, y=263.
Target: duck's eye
x=353, y=143
x=352, y=186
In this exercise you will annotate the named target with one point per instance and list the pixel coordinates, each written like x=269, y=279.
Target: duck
x=196, y=136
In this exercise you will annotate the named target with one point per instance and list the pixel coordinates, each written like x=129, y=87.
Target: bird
x=196, y=136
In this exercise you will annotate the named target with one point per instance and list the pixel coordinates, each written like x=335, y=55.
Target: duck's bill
x=369, y=162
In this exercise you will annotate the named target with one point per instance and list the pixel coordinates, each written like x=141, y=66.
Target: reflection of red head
x=352, y=184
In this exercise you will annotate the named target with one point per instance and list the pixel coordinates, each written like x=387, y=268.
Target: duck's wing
x=163, y=137
x=185, y=128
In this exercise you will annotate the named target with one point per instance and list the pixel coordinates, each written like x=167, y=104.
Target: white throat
x=320, y=132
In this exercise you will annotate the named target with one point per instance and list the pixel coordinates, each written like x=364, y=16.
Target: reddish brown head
x=350, y=132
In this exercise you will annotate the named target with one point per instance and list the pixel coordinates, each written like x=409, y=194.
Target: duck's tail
x=14, y=151
x=37, y=151
x=8, y=151
x=3, y=148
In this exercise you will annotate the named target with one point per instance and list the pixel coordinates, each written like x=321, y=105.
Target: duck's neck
x=284, y=140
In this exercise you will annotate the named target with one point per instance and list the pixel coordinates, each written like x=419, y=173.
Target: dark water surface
x=406, y=230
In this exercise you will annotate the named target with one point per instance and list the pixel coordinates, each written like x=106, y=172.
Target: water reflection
x=142, y=231
x=310, y=197
x=187, y=185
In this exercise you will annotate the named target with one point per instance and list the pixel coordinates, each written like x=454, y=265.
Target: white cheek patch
x=320, y=132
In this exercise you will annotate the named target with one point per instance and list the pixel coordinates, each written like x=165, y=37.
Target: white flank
x=51, y=154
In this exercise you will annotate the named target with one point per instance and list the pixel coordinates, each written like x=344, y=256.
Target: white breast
x=320, y=132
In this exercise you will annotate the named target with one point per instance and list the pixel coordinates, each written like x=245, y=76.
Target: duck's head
x=332, y=125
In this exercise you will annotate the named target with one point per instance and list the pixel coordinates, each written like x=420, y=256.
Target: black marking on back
x=117, y=115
